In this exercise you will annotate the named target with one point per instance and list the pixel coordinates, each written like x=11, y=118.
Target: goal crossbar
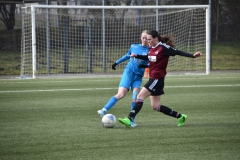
x=119, y=7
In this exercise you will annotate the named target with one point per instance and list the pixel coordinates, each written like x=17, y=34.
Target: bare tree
x=8, y=15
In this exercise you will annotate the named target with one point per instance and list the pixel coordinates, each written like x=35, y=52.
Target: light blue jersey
x=132, y=74
x=134, y=62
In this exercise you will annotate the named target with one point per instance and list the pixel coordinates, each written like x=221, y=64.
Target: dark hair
x=169, y=40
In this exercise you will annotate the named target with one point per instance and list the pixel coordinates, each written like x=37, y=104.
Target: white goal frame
x=34, y=7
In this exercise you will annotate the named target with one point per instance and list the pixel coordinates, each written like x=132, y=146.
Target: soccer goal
x=72, y=40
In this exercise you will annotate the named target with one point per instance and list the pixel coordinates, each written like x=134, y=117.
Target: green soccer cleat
x=182, y=120
x=126, y=121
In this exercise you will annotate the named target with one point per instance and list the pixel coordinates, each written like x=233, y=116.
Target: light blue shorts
x=130, y=80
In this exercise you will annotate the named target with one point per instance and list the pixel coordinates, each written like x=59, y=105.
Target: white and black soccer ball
x=109, y=120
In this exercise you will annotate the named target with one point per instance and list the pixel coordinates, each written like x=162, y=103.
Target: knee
x=120, y=96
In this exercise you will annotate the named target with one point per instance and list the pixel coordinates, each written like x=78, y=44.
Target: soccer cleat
x=126, y=121
x=182, y=120
x=101, y=113
x=133, y=124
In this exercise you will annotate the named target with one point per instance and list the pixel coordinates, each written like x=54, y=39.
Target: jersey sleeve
x=125, y=57
x=170, y=51
x=143, y=57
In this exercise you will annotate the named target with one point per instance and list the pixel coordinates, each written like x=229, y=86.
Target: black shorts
x=155, y=86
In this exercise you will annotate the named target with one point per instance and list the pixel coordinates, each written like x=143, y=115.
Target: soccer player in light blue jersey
x=132, y=75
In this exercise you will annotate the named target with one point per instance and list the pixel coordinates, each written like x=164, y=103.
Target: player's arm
x=185, y=54
x=169, y=51
x=124, y=58
x=143, y=57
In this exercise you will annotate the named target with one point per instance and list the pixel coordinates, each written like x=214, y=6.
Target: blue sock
x=133, y=104
x=112, y=101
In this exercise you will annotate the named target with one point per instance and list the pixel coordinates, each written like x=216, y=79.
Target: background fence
x=225, y=18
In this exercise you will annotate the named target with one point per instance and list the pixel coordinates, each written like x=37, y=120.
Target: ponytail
x=169, y=40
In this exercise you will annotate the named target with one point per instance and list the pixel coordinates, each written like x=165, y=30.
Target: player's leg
x=155, y=103
x=148, y=89
x=113, y=100
x=144, y=93
x=136, y=84
x=134, y=98
x=124, y=86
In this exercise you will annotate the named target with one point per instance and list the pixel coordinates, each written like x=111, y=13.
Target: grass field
x=57, y=119
x=226, y=55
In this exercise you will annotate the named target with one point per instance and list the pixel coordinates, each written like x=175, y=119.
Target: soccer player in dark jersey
x=131, y=77
x=159, y=52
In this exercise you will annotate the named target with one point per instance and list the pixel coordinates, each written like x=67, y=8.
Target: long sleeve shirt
x=158, y=57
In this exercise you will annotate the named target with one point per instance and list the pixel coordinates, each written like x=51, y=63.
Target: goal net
x=71, y=40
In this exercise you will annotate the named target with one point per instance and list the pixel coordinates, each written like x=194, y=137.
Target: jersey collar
x=157, y=45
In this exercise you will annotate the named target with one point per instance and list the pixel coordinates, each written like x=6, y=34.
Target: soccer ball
x=109, y=120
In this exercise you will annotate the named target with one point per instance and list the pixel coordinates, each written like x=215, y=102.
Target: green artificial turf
x=57, y=119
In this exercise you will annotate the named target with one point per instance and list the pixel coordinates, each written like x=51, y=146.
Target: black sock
x=136, y=109
x=169, y=112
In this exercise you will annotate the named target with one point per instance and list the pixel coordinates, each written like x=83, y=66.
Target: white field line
x=92, y=89
x=103, y=80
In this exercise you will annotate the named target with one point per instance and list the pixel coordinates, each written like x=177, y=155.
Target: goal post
x=71, y=40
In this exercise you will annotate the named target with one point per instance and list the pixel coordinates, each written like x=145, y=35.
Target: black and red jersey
x=158, y=59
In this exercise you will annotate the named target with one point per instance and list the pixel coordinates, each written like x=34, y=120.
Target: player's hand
x=133, y=55
x=197, y=54
x=113, y=66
